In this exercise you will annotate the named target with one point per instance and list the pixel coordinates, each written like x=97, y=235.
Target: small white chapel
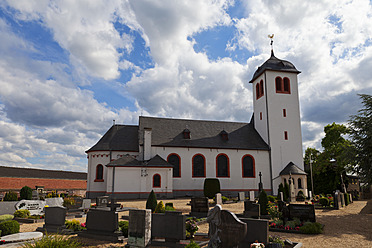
x=173, y=157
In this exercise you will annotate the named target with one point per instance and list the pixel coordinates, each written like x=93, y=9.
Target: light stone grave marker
x=54, y=202
x=219, y=198
x=251, y=195
x=139, y=231
x=241, y=196
x=35, y=207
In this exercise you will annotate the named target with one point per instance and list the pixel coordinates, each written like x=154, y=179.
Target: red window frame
x=228, y=165
x=198, y=154
x=253, y=163
x=259, y=89
x=282, y=86
x=179, y=165
x=284, y=113
x=285, y=135
x=97, y=168
x=153, y=181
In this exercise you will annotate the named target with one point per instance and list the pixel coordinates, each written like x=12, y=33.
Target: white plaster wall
x=259, y=106
x=295, y=178
x=234, y=182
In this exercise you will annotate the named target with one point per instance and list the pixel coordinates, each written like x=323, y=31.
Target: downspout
x=113, y=177
x=268, y=137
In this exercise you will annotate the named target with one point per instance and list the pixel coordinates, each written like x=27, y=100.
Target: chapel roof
x=292, y=169
x=168, y=132
x=131, y=161
x=274, y=64
x=118, y=138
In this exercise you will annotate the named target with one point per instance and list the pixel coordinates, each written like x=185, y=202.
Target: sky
x=69, y=68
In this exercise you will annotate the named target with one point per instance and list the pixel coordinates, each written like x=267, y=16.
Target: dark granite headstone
x=302, y=211
x=102, y=225
x=139, y=232
x=55, y=220
x=232, y=230
x=251, y=209
x=170, y=225
x=256, y=230
x=102, y=201
x=78, y=203
x=199, y=206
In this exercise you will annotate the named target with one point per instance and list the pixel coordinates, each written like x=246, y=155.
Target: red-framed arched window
x=259, y=89
x=286, y=86
x=198, y=165
x=222, y=165
x=175, y=160
x=99, y=173
x=282, y=85
x=248, y=166
x=156, y=181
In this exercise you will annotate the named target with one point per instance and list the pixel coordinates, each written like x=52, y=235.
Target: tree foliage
x=361, y=136
x=26, y=193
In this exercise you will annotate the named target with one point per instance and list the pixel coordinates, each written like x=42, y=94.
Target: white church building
x=173, y=157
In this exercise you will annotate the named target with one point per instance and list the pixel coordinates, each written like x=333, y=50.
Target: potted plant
x=275, y=242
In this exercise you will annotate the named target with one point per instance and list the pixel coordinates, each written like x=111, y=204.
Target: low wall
x=7, y=207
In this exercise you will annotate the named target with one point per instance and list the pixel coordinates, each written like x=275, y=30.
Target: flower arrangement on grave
x=276, y=240
x=75, y=225
x=274, y=211
x=257, y=245
x=191, y=227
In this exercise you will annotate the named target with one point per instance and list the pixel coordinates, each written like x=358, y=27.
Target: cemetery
x=244, y=221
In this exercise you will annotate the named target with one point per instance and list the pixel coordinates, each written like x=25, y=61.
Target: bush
x=9, y=227
x=74, y=225
x=211, y=187
x=324, y=201
x=55, y=241
x=224, y=199
x=311, y=227
x=262, y=200
x=286, y=191
x=271, y=198
x=169, y=208
x=68, y=202
x=123, y=226
x=276, y=240
x=26, y=193
x=11, y=196
x=6, y=217
x=300, y=196
x=151, y=202
x=22, y=213
x=192, y=244
x=160, y=208
x=347, y=199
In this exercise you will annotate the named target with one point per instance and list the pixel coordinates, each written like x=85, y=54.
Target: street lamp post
x=311, y=175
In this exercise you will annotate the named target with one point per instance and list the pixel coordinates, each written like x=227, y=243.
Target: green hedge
x=9, y=227
x=5, y=217
x=22, y=213
x=11, y=196
x=311, y=228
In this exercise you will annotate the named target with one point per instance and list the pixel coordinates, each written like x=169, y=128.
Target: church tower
x=277, y=120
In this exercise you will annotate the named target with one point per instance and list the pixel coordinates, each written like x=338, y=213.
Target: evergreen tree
x=262, y=200
x=151, y=202
x=26, y=193
x=286, y=191
x=361, y=135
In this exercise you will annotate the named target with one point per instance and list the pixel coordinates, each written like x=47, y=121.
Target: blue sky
x=69, y=68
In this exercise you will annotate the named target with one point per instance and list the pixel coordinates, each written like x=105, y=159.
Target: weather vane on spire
x=271, y=36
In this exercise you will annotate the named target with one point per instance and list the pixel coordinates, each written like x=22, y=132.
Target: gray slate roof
x=131, y=161
x=293, y=169
x=19, y=172
x=118, y=138
x=204, y=134
x=274, y=64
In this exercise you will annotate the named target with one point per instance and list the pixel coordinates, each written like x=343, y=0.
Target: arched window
x=257, y=90
x=285, y=181
x=248, y=166
x=261, y=88
x=222, y=166
x=99, y=173
x=278, y=84
x=175, y=160
x=156, y=181
x=198, y=166
x=286, y=88
x=299, y=183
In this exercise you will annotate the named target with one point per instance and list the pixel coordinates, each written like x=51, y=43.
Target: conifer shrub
x=22, y=213
x=123, y=226
x=26, y=193
x=11, y=196
x=211, y=187
x=151, y=202
x=286, y=191
x=5, y=217
x=160, y=207
x=262, y=200
x=9, y=227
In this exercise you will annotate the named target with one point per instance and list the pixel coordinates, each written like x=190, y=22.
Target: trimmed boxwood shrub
x=211, y=187
x=151, y=202
x=262, y=200
x=11, y=196
x=9, y=227
x=22, y=213
x=311, y=227
x=5, y=217
x=160, y=207
x=26, y=193
x=123, y=225
x=324, y=201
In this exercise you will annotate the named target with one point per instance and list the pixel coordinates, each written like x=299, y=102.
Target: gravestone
x=78, y=202
x=139, y=232
x=251, y=209
x=241, y=196
x=233, y=231
x=251, y=196
x=281, y=197
x=55, y=221
x=351, y=198
x=35, y=195
x=257, y=230
x=86, y=204
x=337, y=200
x=171, y=226
x=199, y=206
x=54, y=202
x=302, y=211
x=35, y=207
x=310, y=195
x=292, y=192
x=102, y=201
x=342, y=199
x=102, y=225
x=219, y=198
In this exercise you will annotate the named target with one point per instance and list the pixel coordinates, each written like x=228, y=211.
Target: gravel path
x=348, y=227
